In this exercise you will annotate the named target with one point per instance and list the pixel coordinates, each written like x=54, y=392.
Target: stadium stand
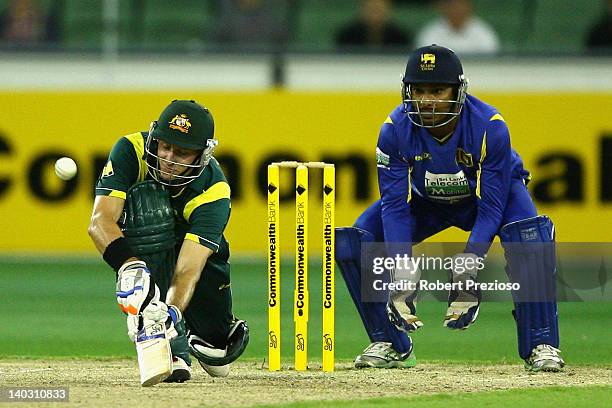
x=539, y=26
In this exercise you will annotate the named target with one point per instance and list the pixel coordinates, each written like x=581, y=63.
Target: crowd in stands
x=24, y=24
x=375, y=25
x=600, y=34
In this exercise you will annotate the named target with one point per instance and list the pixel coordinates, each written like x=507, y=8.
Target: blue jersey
x=472, y=167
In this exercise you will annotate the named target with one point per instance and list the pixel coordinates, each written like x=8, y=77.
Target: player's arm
x=134, y=290
x=395, y=192
x=207, y=215
x=493, y=186
x=492, y=190
x=189, y=266
x=103, y=228
x=120, y=172
x=394, y=185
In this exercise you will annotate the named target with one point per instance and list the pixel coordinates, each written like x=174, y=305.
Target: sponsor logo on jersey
x=382, y=159
x=422, y=156
x=180, y=123
x=107, y=171
x=428, y=62
x=462, y=157
x=448, y=188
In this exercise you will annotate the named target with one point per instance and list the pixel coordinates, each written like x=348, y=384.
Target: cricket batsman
x=162, y=205
x=442, y=136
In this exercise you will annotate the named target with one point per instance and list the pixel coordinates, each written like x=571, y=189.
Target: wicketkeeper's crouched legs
x=382, y=333
x=531, y=262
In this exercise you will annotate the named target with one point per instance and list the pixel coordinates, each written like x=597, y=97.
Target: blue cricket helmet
x=433, y=64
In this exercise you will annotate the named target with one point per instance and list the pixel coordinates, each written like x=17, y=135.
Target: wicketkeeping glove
x=135, y=290
x=401, y=306
x=402, y=312
x=463, y=305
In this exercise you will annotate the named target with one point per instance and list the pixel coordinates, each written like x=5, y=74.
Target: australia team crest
x=181, y=123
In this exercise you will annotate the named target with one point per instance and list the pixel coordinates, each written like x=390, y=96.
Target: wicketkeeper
x=162, y=205
x=444, y=159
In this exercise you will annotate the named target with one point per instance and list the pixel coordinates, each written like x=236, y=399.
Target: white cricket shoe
x=544, y=358
x=203, y=347
x=382, y=355
x=181, y=372
x=216, y=371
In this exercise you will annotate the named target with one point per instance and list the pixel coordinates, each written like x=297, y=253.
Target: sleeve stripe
x=117, y=193
x=483, y=154
x=202, y=241
x=409, y=185
x=137, y=140
x=388, y=120
x=216, y=192
x=497, y=116
x=113, y=193
x=483, y=148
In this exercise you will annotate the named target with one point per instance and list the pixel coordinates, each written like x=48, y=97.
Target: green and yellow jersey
x=201, y=208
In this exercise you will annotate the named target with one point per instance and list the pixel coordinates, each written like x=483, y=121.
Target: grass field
x=550, y=397
x=59, y=309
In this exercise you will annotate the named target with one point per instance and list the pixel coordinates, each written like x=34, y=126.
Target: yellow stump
x=329, y=301
x=300, y=307
x=274, y=325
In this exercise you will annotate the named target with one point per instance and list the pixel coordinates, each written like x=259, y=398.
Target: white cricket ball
x=65, y=168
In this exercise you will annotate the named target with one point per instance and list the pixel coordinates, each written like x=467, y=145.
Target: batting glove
x=156, y=312
x=135, y=290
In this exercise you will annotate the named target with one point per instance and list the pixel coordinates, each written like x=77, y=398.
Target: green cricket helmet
x=188, y=125
x=433, y=64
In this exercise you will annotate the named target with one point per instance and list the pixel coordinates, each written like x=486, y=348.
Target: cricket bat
x=154, y=355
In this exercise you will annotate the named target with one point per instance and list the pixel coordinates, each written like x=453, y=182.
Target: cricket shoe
x=216, y=371
x=201, y=346
x=181, y=372
x=382, y=355
x=544, y=358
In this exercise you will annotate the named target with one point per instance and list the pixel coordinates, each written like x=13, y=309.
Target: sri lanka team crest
x=428, y=62
x=180, y=123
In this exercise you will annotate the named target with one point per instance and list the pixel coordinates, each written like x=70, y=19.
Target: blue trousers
x=431, y=218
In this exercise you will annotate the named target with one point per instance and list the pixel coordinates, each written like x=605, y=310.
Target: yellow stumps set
x=301, y=297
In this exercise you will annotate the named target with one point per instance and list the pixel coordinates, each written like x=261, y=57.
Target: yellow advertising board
x=564, y=139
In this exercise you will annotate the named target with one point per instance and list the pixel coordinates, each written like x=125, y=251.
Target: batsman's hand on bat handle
x=135, y=290
x=155, y=312
x=401, y=306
